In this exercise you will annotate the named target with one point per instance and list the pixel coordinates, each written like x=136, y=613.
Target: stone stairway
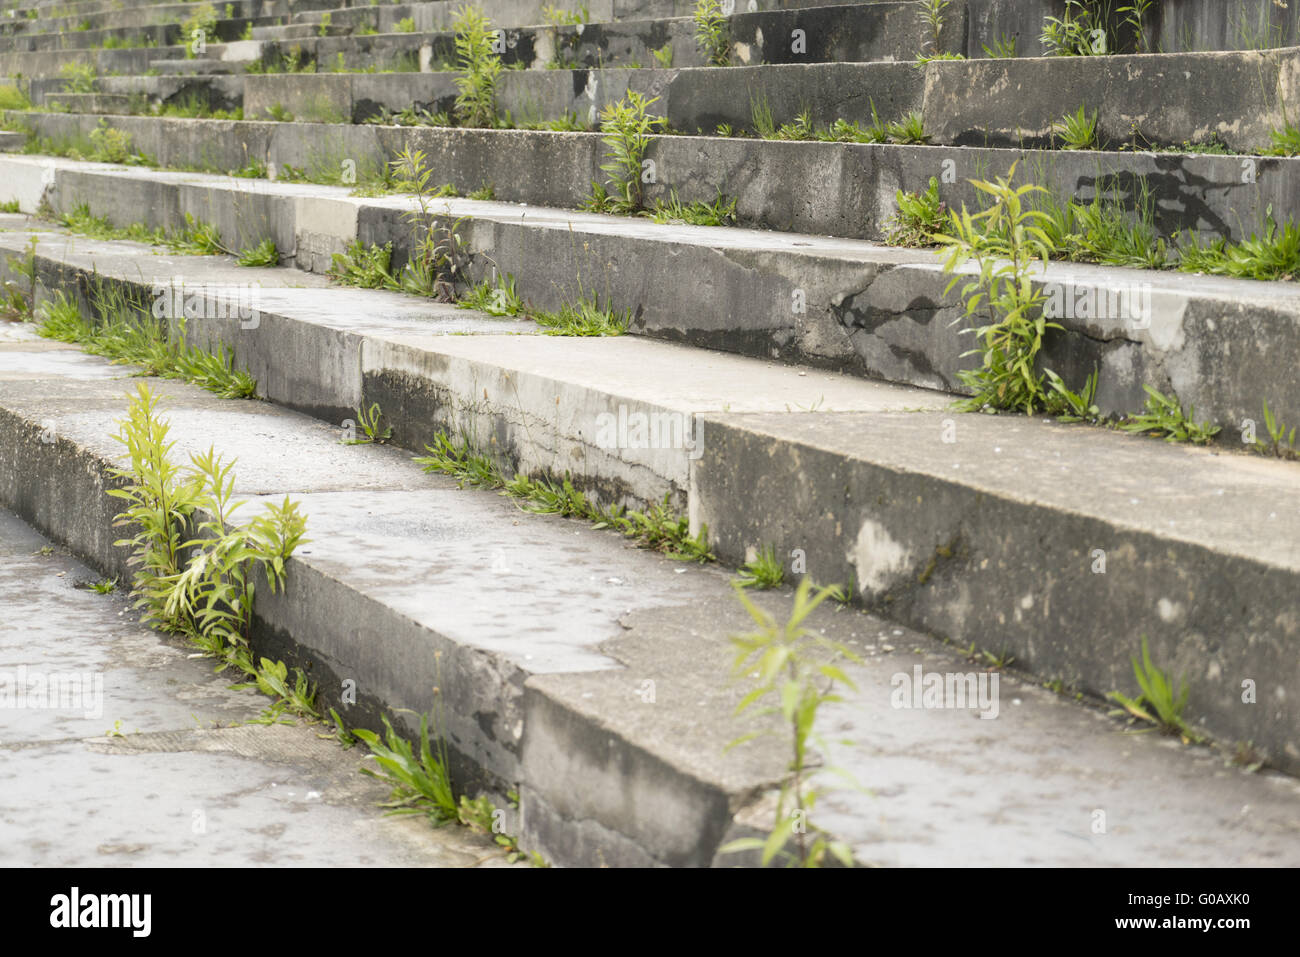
x=808, y=368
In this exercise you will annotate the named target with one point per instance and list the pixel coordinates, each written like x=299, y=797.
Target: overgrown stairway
x=800, y=378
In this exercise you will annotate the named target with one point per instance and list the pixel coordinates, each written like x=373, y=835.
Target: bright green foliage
x=1078, y=131
x=1166, y=417
x=712, y=32
x=627, y=129
x=1004, y=241
x=480, y=67
x=765, y=571
x=797, y=671
x=919, y=218
x=1157, y=704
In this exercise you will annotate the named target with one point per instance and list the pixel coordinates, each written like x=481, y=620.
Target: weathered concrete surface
x=846, y=189
x=625, y=716
x=1240, y=97
x=1063, y=545
x=541, y=405
x=866, y=309
x=154, y=765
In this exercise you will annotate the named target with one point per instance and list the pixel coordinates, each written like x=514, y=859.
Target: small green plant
x=105, y=586
x=797, y=667
x=557, y=16
x=498, y=298
x=1166, y=417
x=405, y=25
x=1273, y=255
x=78, y=77
x=626, y=127
x=264, y=253
x=931, y=14
x=368, y=421
x=1135, y=19
x=1005, y=240
x=760, y=113
x=279, y=113
x=13, y=98
x=584, y=316
x=712, y=32
x=910, y=129
x=764, y=570
x=195, y=567
x=1281, y=442
x=486, y=192
x=480, y=67
x=720, y=212
x=326, y=19
x=918, y=219
x=420, y=783
x=1004, y=48
x=1077, y=33
x=362, y=265
x=656, y=528
x=664, y=55
x=198, y=28
x=1286, y=141
x=1157, y=703
x=1077, y=131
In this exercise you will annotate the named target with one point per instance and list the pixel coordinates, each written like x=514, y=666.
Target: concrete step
x=847, y=305
x=835, y=189
x=1063, y=545
x=170, y=757
x=596, y=685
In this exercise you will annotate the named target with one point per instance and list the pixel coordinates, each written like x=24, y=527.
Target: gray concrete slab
x=156, y=764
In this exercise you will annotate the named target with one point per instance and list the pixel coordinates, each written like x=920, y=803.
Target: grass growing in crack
x=712, y=32
x=797, y=669
x=1281, y=442
x=79, y=77
x=1004, y=48
x=657, y=528
x=496, y=298
x=195, y=567
x=129, y=333
x=720, y=212
x=194, y=239
x=479, y=67
x=105, y=586
x=1274, y=255
x=1078, y=130
x=763, y=571
x=264, y=253
x=364, y=266
x=368, y=421
x=664, y=55
x=1164, y=416
x=1157, y=704
x=1286, y=141
x=584, y=316
x=918, y=219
